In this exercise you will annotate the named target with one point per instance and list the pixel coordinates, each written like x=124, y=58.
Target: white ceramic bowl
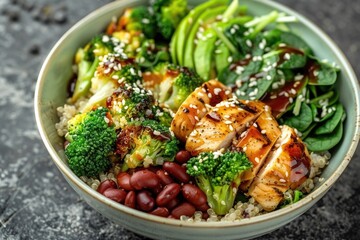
x=51, y=93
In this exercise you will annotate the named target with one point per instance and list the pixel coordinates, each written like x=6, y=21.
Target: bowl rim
x=314, y=195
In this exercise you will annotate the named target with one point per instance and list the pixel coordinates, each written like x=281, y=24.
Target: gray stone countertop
x=35, y=200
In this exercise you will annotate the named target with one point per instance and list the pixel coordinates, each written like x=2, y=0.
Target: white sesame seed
x=145, y=21
x=282, y=180
x=293, y=91
x=263, y=131
x=105, y=38
x=257, y=159
x=298, y=77
x=287, y=56
x=217, y=91
x=248, y=43
x=230, y=59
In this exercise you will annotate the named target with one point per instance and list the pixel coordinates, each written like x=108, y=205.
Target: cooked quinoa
x=241, y=210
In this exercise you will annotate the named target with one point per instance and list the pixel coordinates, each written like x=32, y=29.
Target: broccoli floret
x=87, y=60
x=175, y=85
x=168, y=15
x=129, y=103
x=139, y=19
x=146, y=143
x=219, y=176
x=162, y=115
x=91, y=139
x=151, y=54
x=113, y=72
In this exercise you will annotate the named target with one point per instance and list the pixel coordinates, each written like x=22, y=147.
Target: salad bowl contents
x=189, y=116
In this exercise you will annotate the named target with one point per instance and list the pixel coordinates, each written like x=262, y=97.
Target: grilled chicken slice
x=218, y=127
x=286, y=167
x=257, y=142
x=193, y=109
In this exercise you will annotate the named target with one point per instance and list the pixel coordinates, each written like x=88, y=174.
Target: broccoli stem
x=85, y=73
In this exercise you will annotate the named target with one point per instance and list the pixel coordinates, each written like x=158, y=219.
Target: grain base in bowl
x=233, y=229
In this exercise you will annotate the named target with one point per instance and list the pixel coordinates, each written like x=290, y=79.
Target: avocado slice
x=179, y=40
x=206, y=17
x=204, y=53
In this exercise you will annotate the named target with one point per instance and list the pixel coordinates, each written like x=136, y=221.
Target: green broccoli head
x=91, y=139
x=151, y=54
x=176, y=85
x=87, y=60
x=168, y=15
x=162, y=115
x=219, y=176
x=100, y=45
x=140, y=19
x=146, y=143
x=118, y=69
x=130, y=103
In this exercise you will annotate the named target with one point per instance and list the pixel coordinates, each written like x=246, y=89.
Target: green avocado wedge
x=208, y=17
x=204, y=53
x=178, y=41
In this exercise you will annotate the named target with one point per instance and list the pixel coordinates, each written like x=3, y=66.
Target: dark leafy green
x=330, y=125
x=320, y=143
x=303, y=120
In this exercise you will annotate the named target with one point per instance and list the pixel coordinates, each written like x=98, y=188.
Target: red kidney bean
x=105, y=185
x=183, y=209
x=144, y=179
x=203, y=207
x=123, y=180
x=168, y=193
x=173, y=203
x=183, y=156
x=157, y=190
x=205, y=215
x=145, y=201
x=160, y=211
x=176, y=171
x=130, y=199
x=193, y=194
x=117, y=195
x=164, y=177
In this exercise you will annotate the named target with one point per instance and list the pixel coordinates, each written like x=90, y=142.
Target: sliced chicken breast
x=194, y=108
x=286, y=167
x=257, y=142
x=218, y=127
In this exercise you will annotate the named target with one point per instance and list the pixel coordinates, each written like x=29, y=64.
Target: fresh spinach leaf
x=294, y=40
x=331, y=123
x=295, y=61
x=320, y=143
x=324, y=74
x=305, y=133
x=303, y=120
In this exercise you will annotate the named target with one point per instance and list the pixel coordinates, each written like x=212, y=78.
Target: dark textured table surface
x=35, y=200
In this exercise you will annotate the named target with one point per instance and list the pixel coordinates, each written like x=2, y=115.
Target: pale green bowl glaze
x=51, y=93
